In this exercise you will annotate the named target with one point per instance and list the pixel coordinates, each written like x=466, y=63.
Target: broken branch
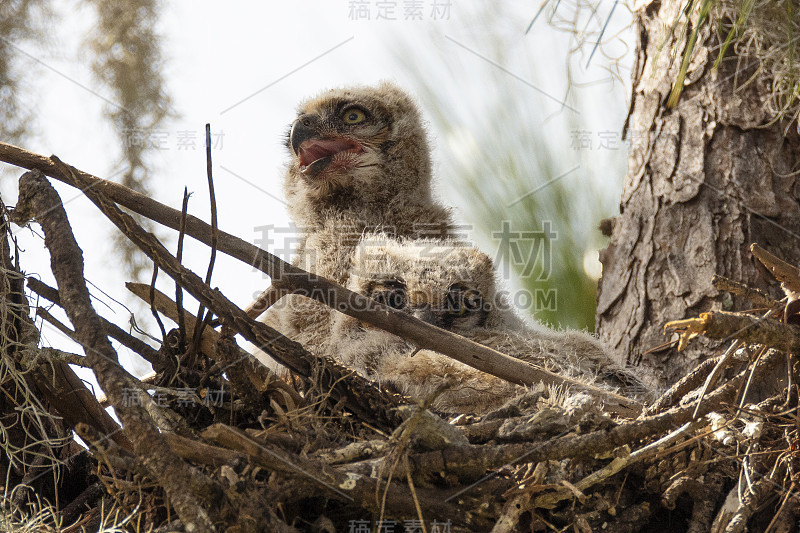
x=754, y=330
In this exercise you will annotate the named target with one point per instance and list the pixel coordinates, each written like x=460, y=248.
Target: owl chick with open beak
x=359, y=161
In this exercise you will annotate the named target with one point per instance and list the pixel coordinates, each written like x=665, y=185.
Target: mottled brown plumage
x=454, y=287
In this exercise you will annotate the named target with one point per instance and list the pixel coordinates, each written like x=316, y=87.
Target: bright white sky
x=243, y=67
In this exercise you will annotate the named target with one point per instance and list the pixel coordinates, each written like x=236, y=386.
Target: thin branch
x=179, y=257
x=714, y=375
x=688, y=383
x=75, y=359
x=758, y=297
x=549, y=500
x=264, y=301
x=111, y=329
x=205, y=319
x=787, y=274
x=262, y=377
x=153, y=310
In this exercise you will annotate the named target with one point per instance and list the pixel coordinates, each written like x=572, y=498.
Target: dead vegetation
x=216, y=441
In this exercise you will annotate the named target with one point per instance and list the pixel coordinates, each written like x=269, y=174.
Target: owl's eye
x=390, y=292
x=395, y=298
x=461, y=300
x=354, y=115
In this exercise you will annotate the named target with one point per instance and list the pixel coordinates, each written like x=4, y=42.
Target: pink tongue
x=314, y=149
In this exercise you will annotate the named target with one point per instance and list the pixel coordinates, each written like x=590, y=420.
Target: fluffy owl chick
x=453, y=287
x=359, y=161
x=361, y=154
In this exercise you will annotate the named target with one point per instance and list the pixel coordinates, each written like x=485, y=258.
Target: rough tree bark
x=705, y=179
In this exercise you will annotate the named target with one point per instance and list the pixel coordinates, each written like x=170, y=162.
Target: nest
x=213, y=440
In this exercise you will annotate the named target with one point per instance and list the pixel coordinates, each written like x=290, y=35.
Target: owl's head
x=447, y=285
x=357, y=147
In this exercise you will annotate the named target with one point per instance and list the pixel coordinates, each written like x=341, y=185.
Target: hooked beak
x=300, y=132
x=314, y=151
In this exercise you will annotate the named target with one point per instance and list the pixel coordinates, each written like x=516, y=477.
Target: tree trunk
x=705, y=179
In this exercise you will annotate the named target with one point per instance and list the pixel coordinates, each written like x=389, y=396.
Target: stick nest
x=215, y=441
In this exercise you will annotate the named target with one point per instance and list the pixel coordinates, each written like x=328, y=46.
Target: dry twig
x=750, y=329
x=758, y=297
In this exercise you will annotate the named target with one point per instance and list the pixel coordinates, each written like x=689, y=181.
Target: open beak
x=316, y=152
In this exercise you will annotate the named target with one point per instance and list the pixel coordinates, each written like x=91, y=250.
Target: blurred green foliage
x=525, y=161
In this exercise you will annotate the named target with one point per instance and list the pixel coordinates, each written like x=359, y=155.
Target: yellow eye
x=354, y=116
